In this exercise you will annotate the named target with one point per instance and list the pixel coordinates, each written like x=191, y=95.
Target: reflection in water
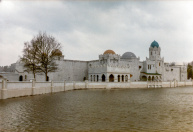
x=165, y=109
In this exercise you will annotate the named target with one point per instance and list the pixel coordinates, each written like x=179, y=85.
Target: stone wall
x=17, y=89
x=70, y=70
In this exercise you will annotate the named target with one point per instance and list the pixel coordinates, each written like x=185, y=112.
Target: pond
x=162, y=109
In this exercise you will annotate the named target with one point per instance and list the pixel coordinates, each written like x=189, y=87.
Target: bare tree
x=39, y=54
x=47, y=48
x=29, y=58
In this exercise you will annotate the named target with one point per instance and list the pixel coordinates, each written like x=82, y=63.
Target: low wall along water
x=17, y=89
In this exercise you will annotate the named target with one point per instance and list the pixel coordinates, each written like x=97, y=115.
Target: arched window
x=122, y=78
x=118, y=78
x=21, y=78
x=126, y=78
x=111, y=78
x=103, y=78
x=94, y=78
x=91, y=78
x=97, y=78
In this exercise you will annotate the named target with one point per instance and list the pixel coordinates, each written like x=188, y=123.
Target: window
x=148, y=66
x=171, y=69
x=159, y=63
x=139, y=67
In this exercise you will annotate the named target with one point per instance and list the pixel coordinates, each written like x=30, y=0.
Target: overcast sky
x=88, y=28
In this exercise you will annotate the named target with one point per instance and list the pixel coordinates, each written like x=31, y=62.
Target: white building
x=110, y=67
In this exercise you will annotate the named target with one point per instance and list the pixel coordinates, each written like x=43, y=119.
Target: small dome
x=154, y=44
x=128, y=55
x=109, y=52
x=57, y=52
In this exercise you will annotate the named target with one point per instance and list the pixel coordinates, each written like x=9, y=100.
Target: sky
x=87, y=28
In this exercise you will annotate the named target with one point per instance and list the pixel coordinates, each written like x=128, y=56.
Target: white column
x=52, y=87
x=33, y=87
x=4, y=89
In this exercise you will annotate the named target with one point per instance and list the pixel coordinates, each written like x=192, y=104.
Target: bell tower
x=154, y=51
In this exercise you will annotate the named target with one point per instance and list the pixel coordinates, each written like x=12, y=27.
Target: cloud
x=87, y=28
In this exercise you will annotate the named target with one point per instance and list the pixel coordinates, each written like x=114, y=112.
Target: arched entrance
x=153, y=78
x=94, y=78
x=21, y=78
x=97, y=78
x=118, y=78
x=149, y=78
x=91, y=78
x=144, y=78
x=111, y=78
x=47, y=79
x=103, y=78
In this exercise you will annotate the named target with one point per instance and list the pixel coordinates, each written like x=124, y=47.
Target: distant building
x=110, y=67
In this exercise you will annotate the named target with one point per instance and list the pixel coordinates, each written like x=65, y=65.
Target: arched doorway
x=94, y=78
x=21, y=78
x=97, y=78
x=111, y=78
x=149, y=78
x=122, y=78
x=47, y=79
x=144, y=78
x=103, y=78
x=91, y=78
x=153, y=78
x=118, y=78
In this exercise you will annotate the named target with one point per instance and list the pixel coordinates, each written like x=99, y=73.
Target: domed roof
x=57, y=52
x=109, y=52
x=154, y=44
x=128, y=55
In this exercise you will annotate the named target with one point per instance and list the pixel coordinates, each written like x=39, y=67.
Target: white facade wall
x=135, y=67
x=70, y=70
x=10, y=76
x=171, y=73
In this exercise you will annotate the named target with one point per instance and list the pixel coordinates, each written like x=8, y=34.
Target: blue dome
x=154, y=43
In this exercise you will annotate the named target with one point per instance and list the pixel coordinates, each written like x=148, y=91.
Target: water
x=164, y=109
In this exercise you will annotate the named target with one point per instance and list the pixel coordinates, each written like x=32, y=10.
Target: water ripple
x=167, y=109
